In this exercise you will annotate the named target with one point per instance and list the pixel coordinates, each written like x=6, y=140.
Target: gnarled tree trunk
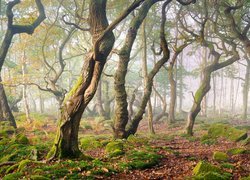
x=121, y=108
x=66, y=143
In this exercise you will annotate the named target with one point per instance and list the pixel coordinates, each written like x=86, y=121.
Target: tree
x=66, y=143
x=212, y=67
x=12, y=30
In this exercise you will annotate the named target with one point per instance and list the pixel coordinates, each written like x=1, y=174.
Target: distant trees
x=11, y=31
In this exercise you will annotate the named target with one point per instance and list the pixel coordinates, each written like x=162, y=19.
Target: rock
x=220, y=156
x=204, y=167
x=226, y=131
x=211, y=176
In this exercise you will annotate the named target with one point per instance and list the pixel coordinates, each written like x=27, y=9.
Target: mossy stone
x=210, y=176
x=204, y=167
x=142, y=160
x=220, y=156
x=226, y=131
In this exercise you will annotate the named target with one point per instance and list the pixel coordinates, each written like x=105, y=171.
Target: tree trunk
x=66, y=144
x=205, y=83
x=107, y=100
x=25, y=98
x=100, y=109
x=171, y=113
x=121, y=108
x=7, y=114
x=145, y=75
x=199, y=95
x=246, y=90
x=214, y=90
x=181, y=83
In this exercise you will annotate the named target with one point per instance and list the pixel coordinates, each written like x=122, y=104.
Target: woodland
x=125, y=89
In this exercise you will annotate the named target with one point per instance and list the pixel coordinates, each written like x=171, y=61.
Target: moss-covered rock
x=236, y=151
x=207, y=140
x=226, y=131
x=114, y=148
x=204, y=167
x=220, y=156
x=211, y=176
x=141, y=160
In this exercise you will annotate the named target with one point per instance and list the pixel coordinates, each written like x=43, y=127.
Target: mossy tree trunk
x=133, y=125
x=66, y=143
x=4, y=106
x=205, y=83
x=121, y=108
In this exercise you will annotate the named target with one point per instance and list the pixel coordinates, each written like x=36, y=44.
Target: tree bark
x=7, y=114
x=145, y=75
x=99, y=105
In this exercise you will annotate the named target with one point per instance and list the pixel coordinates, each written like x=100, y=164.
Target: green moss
x=203, y=167
x=74, y=89
x=51, y=152
x=13, y=176
x=22, y=139
x=132, y=139
x=207, y=140
x=220, y=156
x=11, y=168
x=236, y=151
x=246, y=178
x=227, y=166
x=89, y=143
x=22, y=165
x=226, y=131
x=38, y=177
x=114, y=148
x=141, y=160
x=211, y=176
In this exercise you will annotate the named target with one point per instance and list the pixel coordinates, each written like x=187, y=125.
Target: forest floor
x=169, y=154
